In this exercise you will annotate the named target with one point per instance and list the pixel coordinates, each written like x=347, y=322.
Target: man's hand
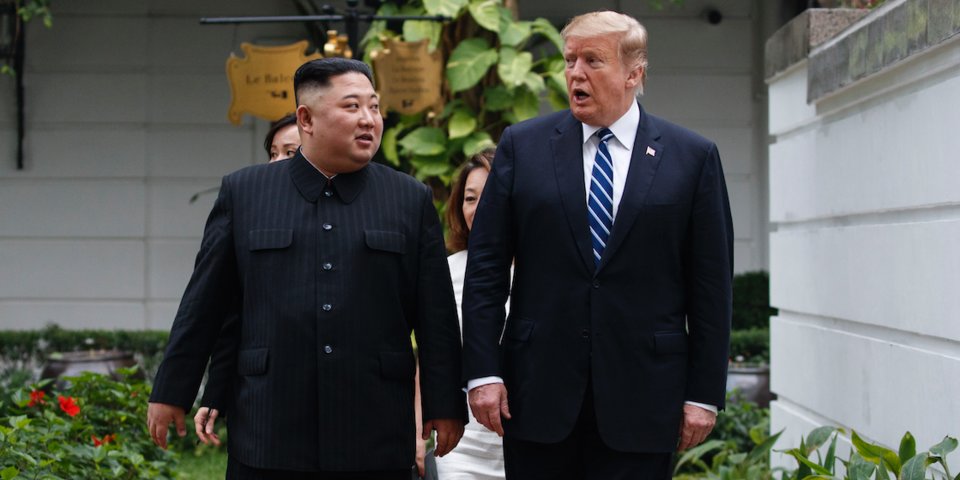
x=697, y=424
x=488, y=403
x=449, y=431
x=159, y=417
x=203, y=424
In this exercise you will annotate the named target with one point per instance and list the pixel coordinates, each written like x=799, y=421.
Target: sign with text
x=408, y=77
x=261, y=82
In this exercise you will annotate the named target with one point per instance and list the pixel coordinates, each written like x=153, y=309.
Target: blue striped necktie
x=600, y=203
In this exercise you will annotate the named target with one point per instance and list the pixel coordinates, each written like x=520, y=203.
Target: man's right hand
x=204, y=422
x=159, y=417
x=488, y=404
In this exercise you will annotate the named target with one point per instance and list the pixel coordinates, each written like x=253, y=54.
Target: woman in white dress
x=479, y=455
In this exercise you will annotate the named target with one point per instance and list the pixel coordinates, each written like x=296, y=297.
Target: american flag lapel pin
x=651, y=152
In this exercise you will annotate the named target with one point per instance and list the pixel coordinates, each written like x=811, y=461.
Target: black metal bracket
x=351, y=20
x=13, y=52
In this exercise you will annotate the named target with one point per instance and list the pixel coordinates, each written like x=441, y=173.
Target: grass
x=205, y=464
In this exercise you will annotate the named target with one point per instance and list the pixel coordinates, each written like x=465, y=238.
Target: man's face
x=343, y=122
x=600, y=87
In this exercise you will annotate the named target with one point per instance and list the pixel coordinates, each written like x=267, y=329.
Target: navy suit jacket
x=649, y=328
x=326, y=282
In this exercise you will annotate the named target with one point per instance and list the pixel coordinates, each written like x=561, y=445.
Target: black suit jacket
x=649, y=328
x=326, y=282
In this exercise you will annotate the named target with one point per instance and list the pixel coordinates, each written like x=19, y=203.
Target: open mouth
x=366, y=137
x=580, y=95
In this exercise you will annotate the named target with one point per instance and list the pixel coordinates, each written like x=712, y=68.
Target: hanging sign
x=408, y=77
x=261, y=82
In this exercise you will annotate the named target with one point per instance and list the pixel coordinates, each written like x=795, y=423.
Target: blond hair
x=633, y=37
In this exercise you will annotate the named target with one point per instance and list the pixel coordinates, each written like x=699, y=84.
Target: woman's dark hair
x=457, y=230
x=286, y=121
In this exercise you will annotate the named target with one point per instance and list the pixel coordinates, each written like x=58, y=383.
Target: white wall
x=864, y=258
x=126, y=107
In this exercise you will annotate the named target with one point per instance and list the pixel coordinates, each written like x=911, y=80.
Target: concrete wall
x=126, y=107
x=864, y=260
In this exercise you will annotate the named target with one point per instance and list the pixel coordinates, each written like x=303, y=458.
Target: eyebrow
x=357, y=96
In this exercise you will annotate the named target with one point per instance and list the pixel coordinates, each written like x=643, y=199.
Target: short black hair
x=284, y=122
x=317, y=73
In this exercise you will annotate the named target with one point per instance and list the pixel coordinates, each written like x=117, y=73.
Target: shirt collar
x=624, y=129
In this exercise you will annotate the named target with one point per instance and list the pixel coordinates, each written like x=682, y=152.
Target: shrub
x=751, y=301
x=94, y=428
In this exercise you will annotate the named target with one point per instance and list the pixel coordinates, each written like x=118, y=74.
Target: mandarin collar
x=311, y=183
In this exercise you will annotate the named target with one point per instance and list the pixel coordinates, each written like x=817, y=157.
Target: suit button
x=585, y=333
x=328, y=193
x=327, y=307
x=327, y=349
x=328, y=266
x=327, y=227
x=596, y=284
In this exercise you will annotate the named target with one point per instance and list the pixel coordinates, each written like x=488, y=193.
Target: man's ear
x=304, y=119
x=634, y=78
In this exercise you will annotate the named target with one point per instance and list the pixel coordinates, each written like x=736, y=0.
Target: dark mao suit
x=649, y=328
x=326, y=280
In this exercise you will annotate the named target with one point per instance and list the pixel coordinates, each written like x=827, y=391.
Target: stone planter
x=753, y=381
x=70, y=364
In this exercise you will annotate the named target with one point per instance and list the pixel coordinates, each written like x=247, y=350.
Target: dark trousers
x=581, y=456
x=239, y=471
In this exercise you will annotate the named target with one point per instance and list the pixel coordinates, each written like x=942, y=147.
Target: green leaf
x=416, y=30
x=448, y=8
x=424, y=141
x=497, y=98
x=468, y=63
x=486, y=13
x=462, y=123
x=477, y=142
x=19, y=422
x=908, y=447
x=860, y=469
x=512, y=32
x=430, y=166
x=915, y=468
x=9, y=473
x=543, y=27
x=388, y=145
x=762, y=450
x=534, y=82
x=525, y=104
x=514, y=66
x=884, y=457
x=948, y=445
x=556, y=100
x=806, y=462
x=818, y=437
x=696, y=453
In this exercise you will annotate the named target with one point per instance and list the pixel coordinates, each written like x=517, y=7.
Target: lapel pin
x=651, y=152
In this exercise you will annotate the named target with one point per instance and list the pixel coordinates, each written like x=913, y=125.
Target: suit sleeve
x=211, y=297
x=223, y=367
x=709, y=285
x=437, y=328
x=487, y=279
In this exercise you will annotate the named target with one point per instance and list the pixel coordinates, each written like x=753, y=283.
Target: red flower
x=102, y=441
x=36, y=397
x=69, y=405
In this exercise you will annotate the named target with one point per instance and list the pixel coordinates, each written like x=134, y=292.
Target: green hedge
x=751, y=300
x=753, y=344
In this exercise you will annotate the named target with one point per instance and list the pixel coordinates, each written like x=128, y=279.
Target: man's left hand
x=449, y=431
x=697, y=424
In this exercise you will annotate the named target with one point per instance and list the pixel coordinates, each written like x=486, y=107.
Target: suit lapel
x=644, y=161
x=567, y=145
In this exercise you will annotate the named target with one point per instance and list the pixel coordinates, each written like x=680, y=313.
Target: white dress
x=479, y=455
